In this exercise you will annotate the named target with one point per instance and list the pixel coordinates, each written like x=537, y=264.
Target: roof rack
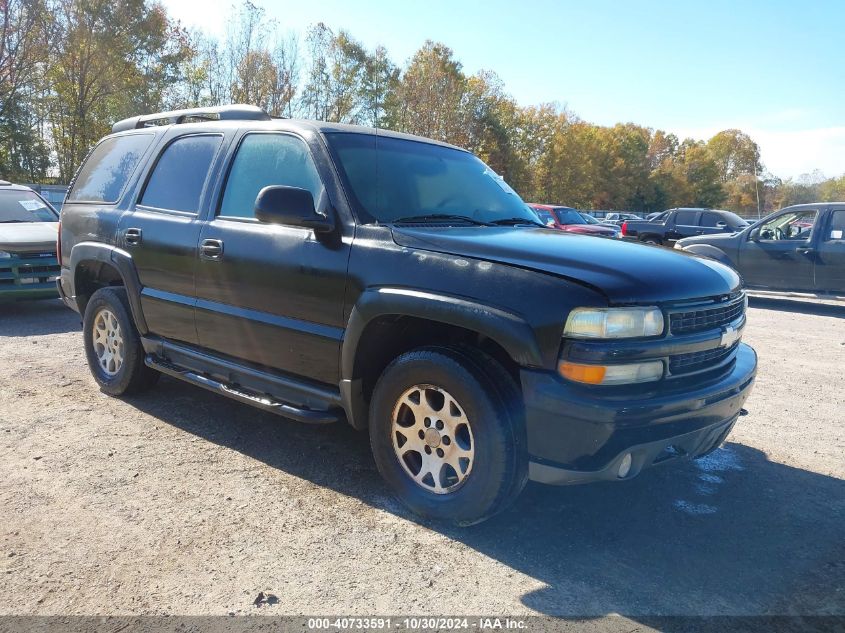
x=236, y=112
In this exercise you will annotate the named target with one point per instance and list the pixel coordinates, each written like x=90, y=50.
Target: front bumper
x=28, y=292
x=578, y=434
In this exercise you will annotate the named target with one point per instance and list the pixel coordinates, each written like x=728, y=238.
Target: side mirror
x=754, y=235
x=721, y=225
x=292, y=206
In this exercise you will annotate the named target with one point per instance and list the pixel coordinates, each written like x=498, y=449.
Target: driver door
x=781, y=257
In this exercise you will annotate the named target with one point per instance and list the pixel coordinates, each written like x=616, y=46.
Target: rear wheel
x=113, y=346
x=444, y=436
x=652, y=239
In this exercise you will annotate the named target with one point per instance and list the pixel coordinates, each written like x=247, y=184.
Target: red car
x=570, y=220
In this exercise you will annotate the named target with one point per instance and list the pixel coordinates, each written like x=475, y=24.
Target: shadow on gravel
x=798, y=306
x=732, y=534
x=36, y=318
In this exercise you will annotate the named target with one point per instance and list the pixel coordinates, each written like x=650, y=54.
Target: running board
x=299, y=414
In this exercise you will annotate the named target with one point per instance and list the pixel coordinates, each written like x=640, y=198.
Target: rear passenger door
x=271, y=294
x=830, y=255
x=161, y=233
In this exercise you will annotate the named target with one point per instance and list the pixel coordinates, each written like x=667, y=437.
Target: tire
x=651, y=239
x=486, y=419
x=116, y=362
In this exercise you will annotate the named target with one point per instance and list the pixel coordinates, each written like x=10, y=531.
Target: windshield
x=569, y=216
x=392, y=178
x=733, y=220
x=24, y=206
x=546, y=217
x=589, y=219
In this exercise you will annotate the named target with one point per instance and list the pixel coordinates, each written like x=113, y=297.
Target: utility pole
x=757, y=183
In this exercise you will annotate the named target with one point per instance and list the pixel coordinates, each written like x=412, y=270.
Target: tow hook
x=743, y=412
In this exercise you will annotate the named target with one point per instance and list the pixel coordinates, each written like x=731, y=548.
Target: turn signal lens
x=612, y=374
x=590, y=374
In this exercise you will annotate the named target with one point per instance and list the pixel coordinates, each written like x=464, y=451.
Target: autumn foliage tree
x=69, y=68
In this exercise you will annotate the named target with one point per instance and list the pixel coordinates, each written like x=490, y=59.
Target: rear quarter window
x=104, y=175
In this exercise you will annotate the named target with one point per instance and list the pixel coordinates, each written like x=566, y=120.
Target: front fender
x=507, y=329
x=713, y=252
x=510, y=331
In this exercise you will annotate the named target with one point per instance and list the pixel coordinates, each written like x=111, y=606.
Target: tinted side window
x=710, y=220
x=105, y=173
x=686, y=218
x=263, y=160
x=178, y=178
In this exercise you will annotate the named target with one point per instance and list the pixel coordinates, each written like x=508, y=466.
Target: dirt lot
x=182, y=502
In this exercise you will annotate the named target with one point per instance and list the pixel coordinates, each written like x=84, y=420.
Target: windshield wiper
x=439, y=217
x=516, y=222
x=14, y=221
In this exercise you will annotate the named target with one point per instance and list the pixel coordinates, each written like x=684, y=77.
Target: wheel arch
x=94, y=266
x=389, y=321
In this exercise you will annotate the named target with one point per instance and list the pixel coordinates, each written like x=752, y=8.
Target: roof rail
x=236, y=112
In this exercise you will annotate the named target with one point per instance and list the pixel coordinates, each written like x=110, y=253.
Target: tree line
x=69, y=68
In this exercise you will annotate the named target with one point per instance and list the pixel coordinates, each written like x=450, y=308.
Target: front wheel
x=446, y=435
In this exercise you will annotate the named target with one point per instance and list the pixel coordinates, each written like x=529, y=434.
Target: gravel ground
x=183, y=502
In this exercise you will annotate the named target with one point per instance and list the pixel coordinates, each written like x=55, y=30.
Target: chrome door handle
x=133, y=237
x=211, y=249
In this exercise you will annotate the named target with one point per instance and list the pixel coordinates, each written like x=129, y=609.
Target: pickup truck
x=676, y=224
x=799, y=248
x=328, y=272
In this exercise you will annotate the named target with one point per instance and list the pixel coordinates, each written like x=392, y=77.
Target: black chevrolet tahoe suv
x=330, y=272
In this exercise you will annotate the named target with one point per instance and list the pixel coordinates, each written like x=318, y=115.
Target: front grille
x=696, y=361
x=29, y=268
x=35, y=256
x=706, y=317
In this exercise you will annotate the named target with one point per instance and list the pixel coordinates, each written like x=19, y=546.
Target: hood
x=589, y=229
x=715, y=239
x=625, y=272
x=28, y=236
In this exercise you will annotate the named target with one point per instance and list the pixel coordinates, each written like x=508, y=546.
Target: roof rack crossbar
x=236, y=112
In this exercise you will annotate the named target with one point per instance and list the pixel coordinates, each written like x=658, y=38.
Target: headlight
x=5, y=255
x=614, y=322
x=678, y=246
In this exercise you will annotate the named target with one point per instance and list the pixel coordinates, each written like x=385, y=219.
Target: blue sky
x=775, y=69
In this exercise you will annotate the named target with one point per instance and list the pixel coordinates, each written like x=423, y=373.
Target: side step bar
x=307, y=416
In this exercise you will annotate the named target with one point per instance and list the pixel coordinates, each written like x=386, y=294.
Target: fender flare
x=121, y=261
x=509, y=330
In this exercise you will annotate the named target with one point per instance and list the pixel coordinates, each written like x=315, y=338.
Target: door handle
x=211, y=249
x=133, y=237
x=805, y=250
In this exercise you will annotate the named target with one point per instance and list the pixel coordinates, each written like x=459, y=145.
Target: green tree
x=110, y=61
x=735, y=155
x=430, y=96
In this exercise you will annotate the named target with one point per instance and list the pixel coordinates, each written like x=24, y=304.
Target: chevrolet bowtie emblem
x=730, y=335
